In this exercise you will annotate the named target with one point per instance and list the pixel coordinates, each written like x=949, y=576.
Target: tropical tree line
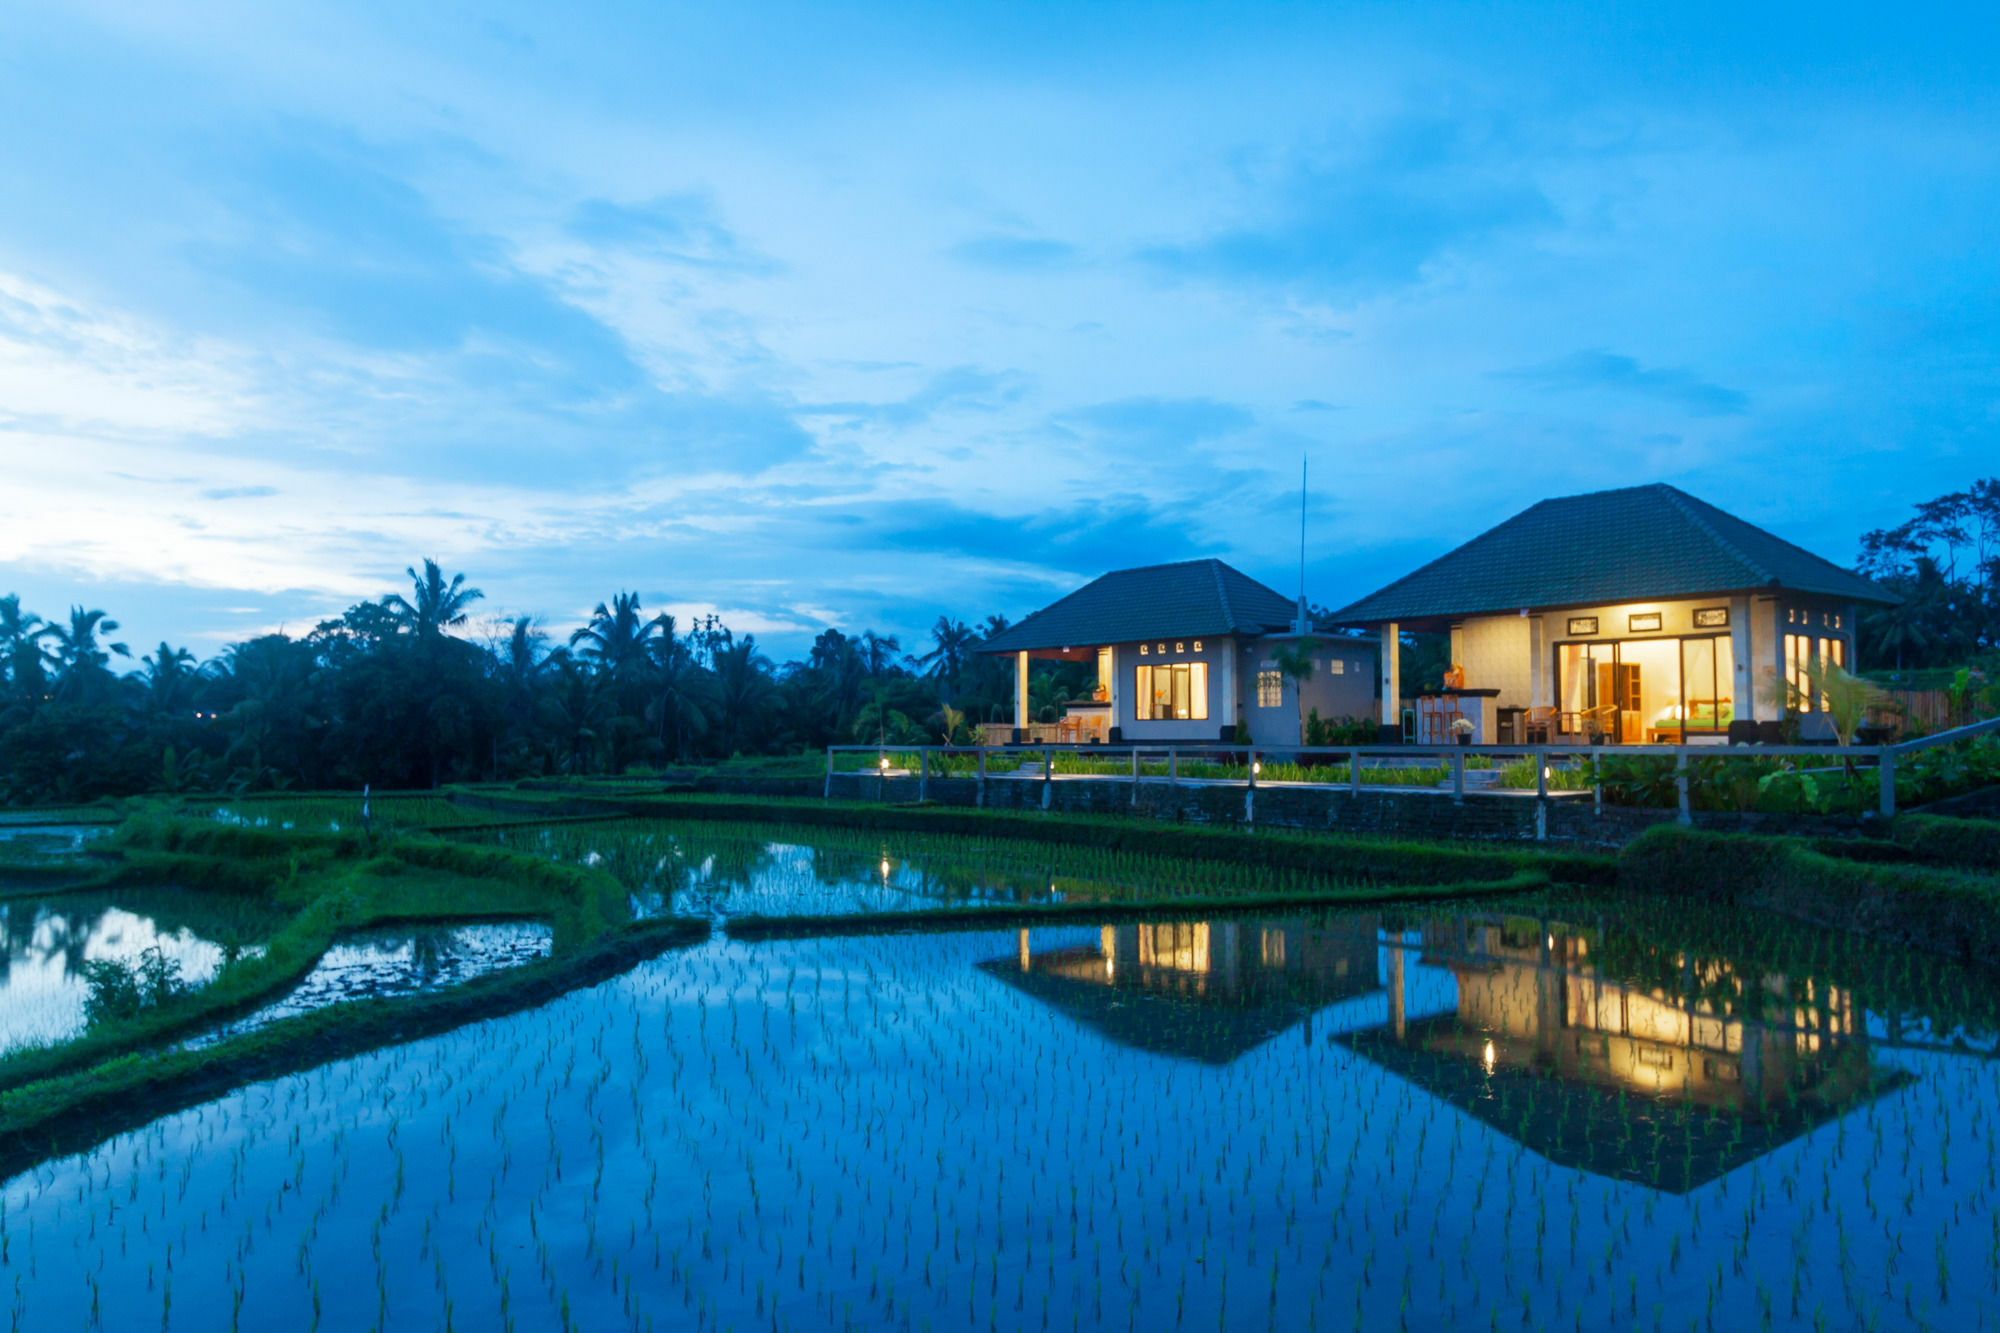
x=401, y=692
x=1945, y=564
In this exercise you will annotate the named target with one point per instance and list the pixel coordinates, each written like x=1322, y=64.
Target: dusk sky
x=851, y=315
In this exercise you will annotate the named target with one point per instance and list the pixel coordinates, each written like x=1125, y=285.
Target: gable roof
x=1642, y=543
x=1193, y=597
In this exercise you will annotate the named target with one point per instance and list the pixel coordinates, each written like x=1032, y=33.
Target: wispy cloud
x=1016, y=254
x=1363, y=216
x=1608, y=371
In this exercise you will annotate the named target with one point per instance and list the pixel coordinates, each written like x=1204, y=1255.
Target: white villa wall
x=1349, y=692
x=1496, y=653
x=1216, y=653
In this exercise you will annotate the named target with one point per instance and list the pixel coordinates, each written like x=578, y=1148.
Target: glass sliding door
x=1708, y=685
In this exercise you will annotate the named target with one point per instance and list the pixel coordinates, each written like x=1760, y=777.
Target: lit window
x=1336, y=666
x=1270, y=686
x=1172, y=693
x=1197, y=645
x=1180, y=647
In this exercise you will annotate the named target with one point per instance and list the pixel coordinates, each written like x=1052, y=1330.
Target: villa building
x=1185, y=652
x=1640, y=615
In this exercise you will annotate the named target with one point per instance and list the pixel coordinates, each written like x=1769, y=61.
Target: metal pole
x=982, y=778
x=1458, y=775
x=1250, y=793
x=1173, y=766
x=1135, y=775
x=923, y=774
x=1048, y=775
x=1597, y=787
x=1681, y=783
x=1541, y=796
x=1354, y=772
x=827, y=794
x=1887, y=768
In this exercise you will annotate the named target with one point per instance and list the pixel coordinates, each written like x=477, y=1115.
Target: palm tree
x=82, y=664
x=169, y=678
x=1295, y=661
x=684, y=692
x=438, y=606
x=879, y=651
x=22, y=656
x=744, y=684
x=954, y=642
x=618, y=639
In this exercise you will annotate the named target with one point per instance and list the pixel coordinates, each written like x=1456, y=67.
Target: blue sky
x=851, y=315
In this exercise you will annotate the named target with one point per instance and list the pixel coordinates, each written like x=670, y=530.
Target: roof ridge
x=1683, y=502
x=1221, y=592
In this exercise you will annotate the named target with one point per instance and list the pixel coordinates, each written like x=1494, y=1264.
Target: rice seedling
x=1563, y=1112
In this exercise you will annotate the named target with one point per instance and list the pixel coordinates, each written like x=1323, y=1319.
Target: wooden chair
x=1538, y=726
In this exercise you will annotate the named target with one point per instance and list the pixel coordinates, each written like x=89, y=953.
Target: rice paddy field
x=690, y=867
x=1550, y=1112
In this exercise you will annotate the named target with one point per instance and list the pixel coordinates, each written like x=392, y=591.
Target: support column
x=1392, y=684
x=1020, y=697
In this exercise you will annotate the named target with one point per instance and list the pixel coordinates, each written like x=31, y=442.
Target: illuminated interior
x=1648, y=690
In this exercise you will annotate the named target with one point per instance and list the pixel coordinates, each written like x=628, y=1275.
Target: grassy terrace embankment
x=329, y=884
x=1930, y=888
x=1372, y=860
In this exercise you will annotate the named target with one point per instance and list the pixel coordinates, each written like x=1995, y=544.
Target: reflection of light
x=885, y=868
x=1488, y=1057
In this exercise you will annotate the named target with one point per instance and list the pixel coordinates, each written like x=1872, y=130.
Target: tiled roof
x=1643, y=543
x=1194, y=597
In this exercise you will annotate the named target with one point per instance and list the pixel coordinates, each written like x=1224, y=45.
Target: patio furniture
x=1742, y=731
x=1770, y=732
x=1538, y=726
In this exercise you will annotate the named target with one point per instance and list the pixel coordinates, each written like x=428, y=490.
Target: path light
x=1257, y=767
x=884, y=763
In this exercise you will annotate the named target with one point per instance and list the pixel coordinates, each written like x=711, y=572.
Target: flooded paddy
x=700, y=868
x=45, y=942
x=400, y=960
x=1542, y=1117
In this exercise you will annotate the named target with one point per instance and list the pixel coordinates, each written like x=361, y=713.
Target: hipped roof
x=1642, y=543
x=1187, y=599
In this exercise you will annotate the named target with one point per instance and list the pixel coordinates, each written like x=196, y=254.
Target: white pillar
x=1021, y=694
x=1392, y=676
x=1539, y=666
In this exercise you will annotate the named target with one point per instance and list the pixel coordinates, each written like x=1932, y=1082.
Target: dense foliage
x=396, y=693
x=1945, y=564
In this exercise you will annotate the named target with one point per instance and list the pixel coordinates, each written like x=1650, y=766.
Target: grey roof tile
x=1639, y=543
x=1193, y=597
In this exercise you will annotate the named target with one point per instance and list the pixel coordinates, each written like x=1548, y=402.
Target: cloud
x=1082, y=539
x=1161, y=421
x=1593, y=370
x=682, y=228
x=1014, y=254
x=961, y=388
x=1369, y=217
x=239, y=492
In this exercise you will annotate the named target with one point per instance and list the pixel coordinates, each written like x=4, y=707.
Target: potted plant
x=1461, y=727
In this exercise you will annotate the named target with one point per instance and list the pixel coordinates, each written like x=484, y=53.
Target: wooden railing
x=1883, y=757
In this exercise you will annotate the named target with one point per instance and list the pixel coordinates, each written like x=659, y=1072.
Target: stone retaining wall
x=1567, y=820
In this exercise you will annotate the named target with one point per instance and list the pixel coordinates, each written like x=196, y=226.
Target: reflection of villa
x=1200, y=990
x=1636, y=615
x=1670, y=1089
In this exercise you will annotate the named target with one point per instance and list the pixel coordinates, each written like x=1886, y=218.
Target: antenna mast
x=1303, y=625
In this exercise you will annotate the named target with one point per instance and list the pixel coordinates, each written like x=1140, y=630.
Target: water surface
x=1477, y=1118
